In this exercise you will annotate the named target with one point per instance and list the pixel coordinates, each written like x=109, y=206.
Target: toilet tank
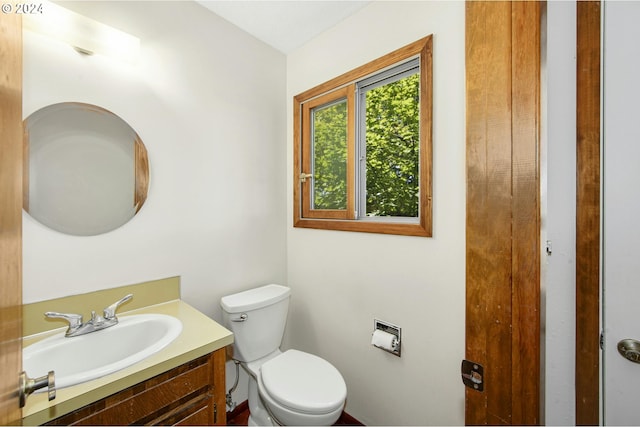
x=257, y=318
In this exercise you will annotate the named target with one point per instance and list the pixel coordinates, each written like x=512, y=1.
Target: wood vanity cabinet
x=190, y=394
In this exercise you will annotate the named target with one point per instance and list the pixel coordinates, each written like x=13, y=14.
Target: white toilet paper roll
x=384, y=340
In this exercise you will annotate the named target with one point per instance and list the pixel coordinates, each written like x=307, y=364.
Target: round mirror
x=86, y=170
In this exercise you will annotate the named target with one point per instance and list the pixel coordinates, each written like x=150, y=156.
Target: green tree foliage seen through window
x=392, y=114
x=393, y=148
x=330, y=156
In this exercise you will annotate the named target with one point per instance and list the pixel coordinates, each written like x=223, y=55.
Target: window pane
x=330, y=156
x=393, y=148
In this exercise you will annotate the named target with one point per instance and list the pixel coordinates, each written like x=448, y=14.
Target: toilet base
x=258, y=414
x=253, y=422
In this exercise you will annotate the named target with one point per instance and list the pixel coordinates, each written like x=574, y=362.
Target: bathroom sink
x=83, y=358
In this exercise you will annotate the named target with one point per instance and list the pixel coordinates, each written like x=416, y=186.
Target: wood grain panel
x=25, y=168
x=141, y=166
x=488, y=309
x=503, y=210
x=199, y=418
x=193, y=394
x=588, y=214
x=10, y=215
x=217, y=363
x=525, y=346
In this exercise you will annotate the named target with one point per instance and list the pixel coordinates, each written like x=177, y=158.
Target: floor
x=240, y=416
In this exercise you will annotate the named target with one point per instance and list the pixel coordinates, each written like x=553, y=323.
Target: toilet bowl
x=285, y=388
x=302, y=389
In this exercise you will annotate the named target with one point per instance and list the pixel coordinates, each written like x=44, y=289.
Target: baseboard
x=238, y=410
x=347, y=420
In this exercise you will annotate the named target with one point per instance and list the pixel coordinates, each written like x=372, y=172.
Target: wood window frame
x=347, y=93
x=346, y=221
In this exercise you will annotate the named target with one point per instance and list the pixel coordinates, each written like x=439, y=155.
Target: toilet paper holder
x=389, y=328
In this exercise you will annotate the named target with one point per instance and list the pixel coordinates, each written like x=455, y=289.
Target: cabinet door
x=187, y=395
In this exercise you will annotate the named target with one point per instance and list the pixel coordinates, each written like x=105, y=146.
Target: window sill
x=364, y=226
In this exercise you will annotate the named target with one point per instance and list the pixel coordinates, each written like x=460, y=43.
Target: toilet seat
x=303, y=383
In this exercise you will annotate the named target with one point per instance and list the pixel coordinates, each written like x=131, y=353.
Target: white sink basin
x=83, y=358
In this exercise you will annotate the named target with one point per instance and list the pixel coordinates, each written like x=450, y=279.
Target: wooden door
x=10, y=215
x=503, y=210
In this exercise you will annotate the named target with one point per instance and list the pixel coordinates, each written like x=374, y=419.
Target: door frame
x=587, y=327
x=588, y=84
x=503, y=210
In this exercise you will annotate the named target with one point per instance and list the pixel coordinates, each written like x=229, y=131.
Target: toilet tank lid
x=254, y=298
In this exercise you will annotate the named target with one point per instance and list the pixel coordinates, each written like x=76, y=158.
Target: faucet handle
x=96, y=319
x=110, y=312
x=75, y=320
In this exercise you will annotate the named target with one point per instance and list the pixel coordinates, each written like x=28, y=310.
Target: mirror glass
x=86, y=170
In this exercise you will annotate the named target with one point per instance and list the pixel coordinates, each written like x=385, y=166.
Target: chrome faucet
x=96, y=323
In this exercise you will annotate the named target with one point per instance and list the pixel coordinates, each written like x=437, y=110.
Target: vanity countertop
x=200, y=336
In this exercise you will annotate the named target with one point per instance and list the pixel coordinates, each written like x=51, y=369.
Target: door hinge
x=601, y=340
x=472, y=375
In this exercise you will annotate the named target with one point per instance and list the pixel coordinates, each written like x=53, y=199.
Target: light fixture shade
x=84, y=34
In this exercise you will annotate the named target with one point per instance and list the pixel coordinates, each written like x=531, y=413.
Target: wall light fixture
x=84, y=34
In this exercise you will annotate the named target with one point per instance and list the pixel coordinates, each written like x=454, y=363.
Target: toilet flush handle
x=242, y=318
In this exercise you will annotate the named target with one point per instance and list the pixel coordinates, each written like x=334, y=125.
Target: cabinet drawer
x=198, y=411
x=183, y=395
x=202, y=417
x=145, y=404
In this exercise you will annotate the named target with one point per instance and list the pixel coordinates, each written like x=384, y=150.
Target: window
x=362, y=153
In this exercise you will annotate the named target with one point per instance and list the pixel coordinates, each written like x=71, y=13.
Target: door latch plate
x=472, y=375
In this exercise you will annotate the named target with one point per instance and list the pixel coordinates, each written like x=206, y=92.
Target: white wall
x=561, y=213
x=341, y=281
x=207, y=100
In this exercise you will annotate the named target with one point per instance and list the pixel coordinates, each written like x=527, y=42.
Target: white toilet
x=290, y=388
